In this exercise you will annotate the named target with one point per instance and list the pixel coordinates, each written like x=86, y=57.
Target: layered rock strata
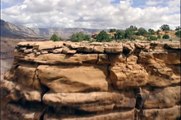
x=93, y=81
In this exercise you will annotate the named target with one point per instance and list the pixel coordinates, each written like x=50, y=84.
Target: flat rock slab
x=65, y=79
x=172, y=113
x=91, y=102
x=125, y=115
x=54, y=59
x=101, y=98
x=162, y=97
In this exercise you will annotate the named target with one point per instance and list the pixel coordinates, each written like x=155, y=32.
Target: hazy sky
x=92, y=13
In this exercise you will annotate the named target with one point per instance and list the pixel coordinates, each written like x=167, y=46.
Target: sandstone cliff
x=93, y=81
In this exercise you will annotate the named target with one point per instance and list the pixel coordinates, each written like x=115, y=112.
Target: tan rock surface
x=25, y=75
x=61, y=58
x=73, y=78
x=160, y=72
x=15, y=112
x=128, y=115
x=128, y=74
x=13, y=92
x=93, y=81
x=94, y=101
x=162, y=97
x=162, y=114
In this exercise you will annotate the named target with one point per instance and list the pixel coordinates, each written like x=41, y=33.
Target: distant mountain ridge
x=63, y=32
x=11, y=30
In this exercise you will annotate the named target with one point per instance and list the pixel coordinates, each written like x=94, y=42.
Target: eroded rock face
x=93, y=81
x=128, y=73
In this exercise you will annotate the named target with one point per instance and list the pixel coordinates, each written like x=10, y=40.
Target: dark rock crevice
x=139, y=104
x=44, y=89
x=111, y=86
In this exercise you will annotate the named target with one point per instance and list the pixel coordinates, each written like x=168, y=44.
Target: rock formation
x=93, y=81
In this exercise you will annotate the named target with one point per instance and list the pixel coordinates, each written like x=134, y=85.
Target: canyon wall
x=93, y=81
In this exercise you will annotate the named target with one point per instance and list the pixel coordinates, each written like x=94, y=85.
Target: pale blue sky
x=10, y=3
x=91, y=14
x=6, y=3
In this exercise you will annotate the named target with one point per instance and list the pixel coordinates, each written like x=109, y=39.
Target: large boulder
x=73, y=78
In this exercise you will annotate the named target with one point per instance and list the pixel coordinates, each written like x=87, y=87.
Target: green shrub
x=151, y=31
x=159, y=36
x=112, y=30
x=142, y=31
x=120, y=34
x=152, y=37
x=77, y=37
x=54, y=38
x=178, y=28
x=103, y=37
x=133, y=28
x=165, y=36
x=129, y=33
x=178, y=33
x=165, y=27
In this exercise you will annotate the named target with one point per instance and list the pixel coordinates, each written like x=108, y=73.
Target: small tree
x=158, y=32
x=120, y=34
x=129, y=33
x=165, y=27
x=178, y=33
x=166, y=36
x=54, y=37
x=151, y=31
x=77, y=37
x=112, y=30
x=103, y=37
x=142, y=31
x=178, y=28
x=133, y=28
x=87, y=37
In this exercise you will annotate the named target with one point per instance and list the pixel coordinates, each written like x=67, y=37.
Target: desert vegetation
x=80, y=36
x=130, y=33
x=178, y=32
x=55, y=37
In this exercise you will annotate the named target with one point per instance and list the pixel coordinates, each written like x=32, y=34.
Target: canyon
x=133, y=80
